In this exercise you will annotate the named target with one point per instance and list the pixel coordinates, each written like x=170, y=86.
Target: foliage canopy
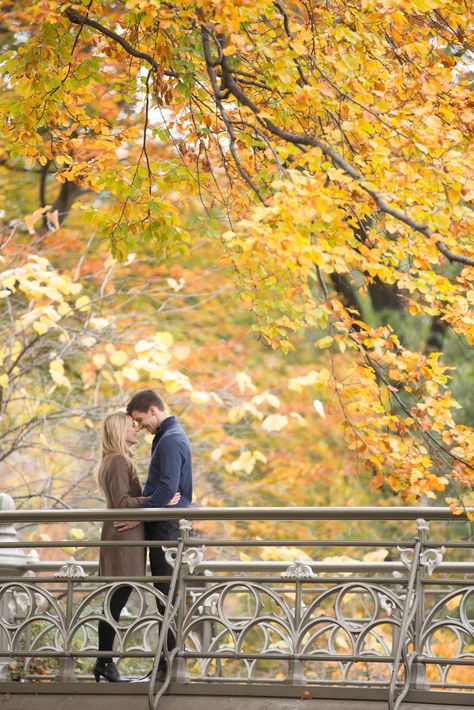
x=330, y=146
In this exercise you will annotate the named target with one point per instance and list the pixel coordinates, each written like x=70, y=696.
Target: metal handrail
x=403, y=513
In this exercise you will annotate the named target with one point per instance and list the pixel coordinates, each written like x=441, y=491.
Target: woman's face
x=131, y=431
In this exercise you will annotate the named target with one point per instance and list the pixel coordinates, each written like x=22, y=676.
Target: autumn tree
x=331, y=148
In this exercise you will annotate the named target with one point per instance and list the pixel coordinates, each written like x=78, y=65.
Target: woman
x=117, y=477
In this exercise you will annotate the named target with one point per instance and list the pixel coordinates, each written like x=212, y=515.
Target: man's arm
x=168, y=475
x=124, y=525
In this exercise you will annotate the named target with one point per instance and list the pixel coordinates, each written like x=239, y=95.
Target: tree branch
x=303, y=139
x=77, y=19
x=218, y=99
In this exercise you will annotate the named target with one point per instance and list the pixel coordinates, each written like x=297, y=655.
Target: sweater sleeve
x=117, y=484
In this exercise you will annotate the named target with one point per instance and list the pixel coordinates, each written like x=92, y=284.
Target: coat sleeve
x=117, y=482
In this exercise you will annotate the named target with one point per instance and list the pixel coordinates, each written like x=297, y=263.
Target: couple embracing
x=169, y=483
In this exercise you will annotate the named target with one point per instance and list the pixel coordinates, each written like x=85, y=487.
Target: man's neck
x=166, y=416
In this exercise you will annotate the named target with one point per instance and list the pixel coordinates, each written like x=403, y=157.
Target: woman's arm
x=123, y=525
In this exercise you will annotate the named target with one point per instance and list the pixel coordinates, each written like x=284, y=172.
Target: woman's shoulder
x=116, y=461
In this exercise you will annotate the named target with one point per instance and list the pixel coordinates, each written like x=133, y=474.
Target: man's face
x=150, y=420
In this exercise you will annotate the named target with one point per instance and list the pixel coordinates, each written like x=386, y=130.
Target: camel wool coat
x=122, y=490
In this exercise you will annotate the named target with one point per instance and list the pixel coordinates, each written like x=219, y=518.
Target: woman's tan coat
x=122, y=490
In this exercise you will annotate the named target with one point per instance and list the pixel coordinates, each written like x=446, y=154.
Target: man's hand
x=124, y=525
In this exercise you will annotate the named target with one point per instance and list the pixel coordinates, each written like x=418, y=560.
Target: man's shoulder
x=174, y=433
x=174, y=428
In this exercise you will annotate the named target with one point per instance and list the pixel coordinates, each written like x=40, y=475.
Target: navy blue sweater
x=170, y=467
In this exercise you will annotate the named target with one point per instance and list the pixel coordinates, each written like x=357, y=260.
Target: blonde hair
x=112, y=441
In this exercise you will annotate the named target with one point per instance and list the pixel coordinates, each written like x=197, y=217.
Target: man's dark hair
x=143, y=400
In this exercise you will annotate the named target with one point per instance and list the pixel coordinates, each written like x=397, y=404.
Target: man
x=169, y=472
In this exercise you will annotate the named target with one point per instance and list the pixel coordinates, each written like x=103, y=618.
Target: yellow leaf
x=130, y=373
x=376, y=555
x=325, y=342
x=454, y=602
x=56, y=369
x=165, y=338
x=298, y=418
x=244, y=382
x=98, y=360
x=315, y=377
x=235, y=414
x=181, y=352
x=275, y=422
x=82, y=303
x=266, y=398
x=319, y=408
x=98, y=323
x=217, y=453
x=41, y=327
x=31, y=219
x=87, y=341
x=76, y=533
x=175, y=381
x=53, y=219
x=64, y=308
x=245, y=462
x=118, y=358
x=298, y=47
x=199, y=397
x=175, y=285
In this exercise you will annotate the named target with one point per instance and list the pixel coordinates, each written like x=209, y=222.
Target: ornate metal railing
x=244, y=620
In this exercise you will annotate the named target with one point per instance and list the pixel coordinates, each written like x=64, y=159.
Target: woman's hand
x=175, y=499
x=124, y=525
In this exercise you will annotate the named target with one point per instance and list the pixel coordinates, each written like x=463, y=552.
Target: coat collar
x=165, y=424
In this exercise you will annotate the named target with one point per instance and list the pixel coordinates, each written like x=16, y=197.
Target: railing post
x=12, y=561
x=297, y=571
x=69, y=572
x=400, y=640
x=170, y=611
x=295, y=666
x=418, y=671
x=179, y=669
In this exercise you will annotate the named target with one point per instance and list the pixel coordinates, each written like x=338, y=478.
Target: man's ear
x=152, y=409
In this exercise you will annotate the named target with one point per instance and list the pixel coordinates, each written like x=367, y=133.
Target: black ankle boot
x=108, y=669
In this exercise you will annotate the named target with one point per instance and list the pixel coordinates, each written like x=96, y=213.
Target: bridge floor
x=186, y=702
x=91, y=696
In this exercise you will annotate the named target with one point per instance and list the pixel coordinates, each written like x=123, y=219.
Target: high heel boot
x=108, y=670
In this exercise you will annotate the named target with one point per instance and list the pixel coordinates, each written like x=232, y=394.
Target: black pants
x=165, y=530
x=106, y=631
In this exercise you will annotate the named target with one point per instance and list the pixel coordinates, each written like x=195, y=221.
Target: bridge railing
x=302, y=614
